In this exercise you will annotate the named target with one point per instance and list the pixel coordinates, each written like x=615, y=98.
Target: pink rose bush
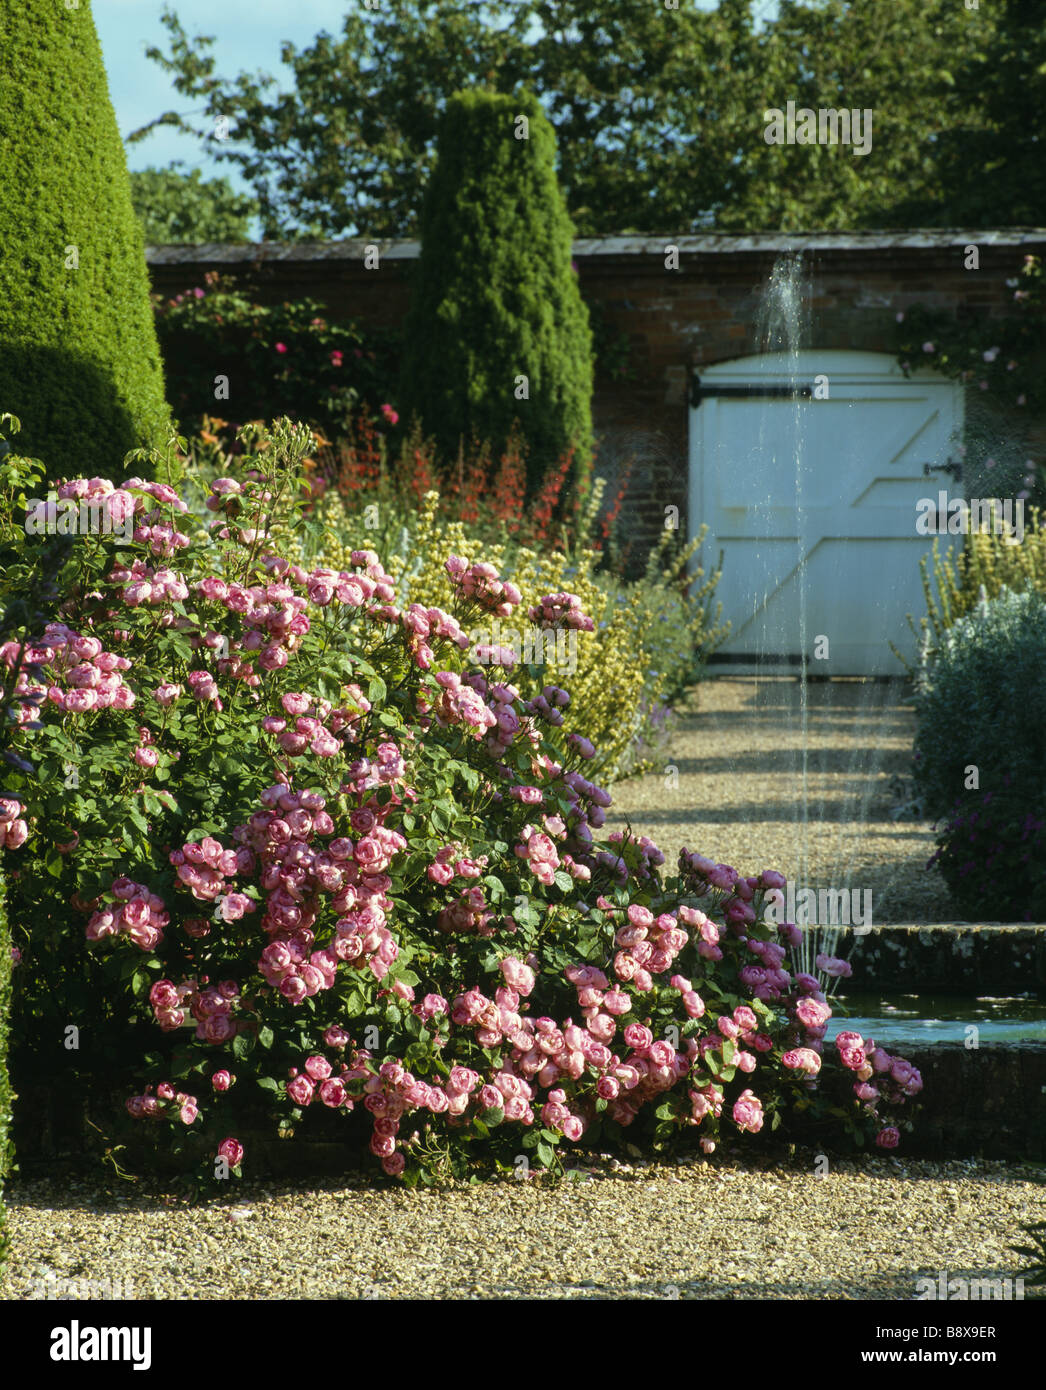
x=364, y=881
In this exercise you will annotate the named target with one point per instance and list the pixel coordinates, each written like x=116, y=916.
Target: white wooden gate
x=813, y=503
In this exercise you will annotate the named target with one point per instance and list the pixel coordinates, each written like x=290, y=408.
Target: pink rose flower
x=461, y=1081
x=300, y=1090
x=748, y=1112
x=616, y=1002
x=573, y=1128
x=802, y=1059
x=332, y=1092
x=812, y=1012
x=231, y=1150
x=693, y=1004
x=832, y=965
x=638, y=1037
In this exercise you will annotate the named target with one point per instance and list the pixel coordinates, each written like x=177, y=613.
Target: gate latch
x=950, y=466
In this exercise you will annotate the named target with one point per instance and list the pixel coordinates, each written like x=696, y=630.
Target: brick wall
x=674, y=321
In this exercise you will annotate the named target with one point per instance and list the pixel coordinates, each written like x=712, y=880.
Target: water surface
x=924, y=1018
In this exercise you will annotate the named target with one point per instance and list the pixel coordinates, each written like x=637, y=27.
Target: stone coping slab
x=947, y=957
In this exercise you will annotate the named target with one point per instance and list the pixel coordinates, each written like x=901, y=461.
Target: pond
x=929, y=1018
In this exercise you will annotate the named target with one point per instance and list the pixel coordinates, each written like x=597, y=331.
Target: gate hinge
x=755, y=391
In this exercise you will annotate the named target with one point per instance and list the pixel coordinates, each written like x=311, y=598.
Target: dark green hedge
x=79, y=361
x=495, y=296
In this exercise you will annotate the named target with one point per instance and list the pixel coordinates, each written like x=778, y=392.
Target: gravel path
x=706, y=1230
x=738, y=795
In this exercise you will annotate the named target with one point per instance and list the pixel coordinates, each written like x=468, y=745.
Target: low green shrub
x=983, y=565
x=980, y=750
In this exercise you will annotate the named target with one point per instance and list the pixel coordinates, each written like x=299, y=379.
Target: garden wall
x=960, y=959
x=984, y=1102
x=656, y=326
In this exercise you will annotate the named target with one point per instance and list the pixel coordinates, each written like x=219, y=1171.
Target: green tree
x=79, y=361
x=658, y=113
x=892, y=60
x=992, y=158
x=495, y=299
x=174, y=206
x=649, y=105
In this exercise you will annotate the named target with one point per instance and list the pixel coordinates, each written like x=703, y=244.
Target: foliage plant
x=653, y=634
x=980, y=749
x=79, y=365
x=651, y=639
x=319, y=855
x=1004, y=354
x=497, y=336
x=483, y=488
x=275, y=359
x=983, y=566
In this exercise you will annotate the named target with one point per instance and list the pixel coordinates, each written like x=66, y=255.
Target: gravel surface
x=708, y=1230
x=742, y=796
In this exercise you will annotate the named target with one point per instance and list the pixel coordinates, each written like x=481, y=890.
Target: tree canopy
x=174, y=206
x=659, y=113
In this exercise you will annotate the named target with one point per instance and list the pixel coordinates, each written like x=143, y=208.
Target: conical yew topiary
x=497, y=329
x=79, y=361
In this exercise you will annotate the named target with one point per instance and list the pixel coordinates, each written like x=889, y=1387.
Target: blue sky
x=248, y=35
